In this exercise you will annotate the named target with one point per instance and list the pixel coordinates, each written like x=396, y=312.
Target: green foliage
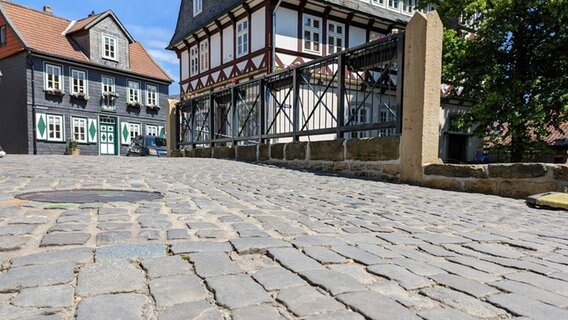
x=73, y=145
x=512, y=63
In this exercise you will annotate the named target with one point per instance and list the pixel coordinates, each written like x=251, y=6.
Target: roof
x=93, y=19
x=187, y=24
x=44, y=33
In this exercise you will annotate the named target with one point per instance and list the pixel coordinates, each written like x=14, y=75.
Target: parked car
x=147, y=146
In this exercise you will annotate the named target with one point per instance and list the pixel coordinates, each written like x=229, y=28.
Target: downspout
x=34, y=134
x=273, y=62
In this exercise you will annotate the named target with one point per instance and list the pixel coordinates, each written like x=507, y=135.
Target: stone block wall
x=516, y=180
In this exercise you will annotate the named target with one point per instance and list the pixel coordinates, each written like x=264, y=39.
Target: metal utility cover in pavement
x=87, y=196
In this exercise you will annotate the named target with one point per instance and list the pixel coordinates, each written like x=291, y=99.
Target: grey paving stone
x=237, y=291
x=307, y=301
x=333, y=281
x=165, y=266
x=553, y=285
x=115, y=218
x=130, y=251
x=436, y=250
x=317, y=240
x=113, y=211
x=261, y=312
x=177, y=234
x=467, y=272
x=324, y=255
x=113, y=226
x=396, y=238
x=357, y=254
x=111, y=237
x=202, y=226
x=463, y=302
x=294, y=260
x=36, y=276
x=253, y=234
x=154, y=223
x=374, y=305
x=444, y=314
x=67, y=227
x=411, y=300
x=379, y=251
x=471, y=287
x=357, y=271
x=257, y=245
x=416, y=267
x=210, y=264
x=41, y=219
x=17, y=229
x=149, y=234
x=481, y=265
x=339, y=315
x=521, y=265
x=532, y=292
x=277, y=278
x=437, y=238
x=74, y=218
x=9, y=312
x=75, y=255
x=64, y=239
x=405, y=278
x=198, y=310
x=109, y=276
x=11, y=243
x=169, y=291
x=45, y=297
x=524, y=306
x=116, y=306
x=214, y=234
x=495, y=249
x=200, y=246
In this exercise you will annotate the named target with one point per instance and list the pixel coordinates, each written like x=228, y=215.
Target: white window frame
x=3, y=36
x=78, y=123
x=109, y=85
x=113, y=49
x=197, y=7
x=408, y=6
x=75, y=76
x=362, y=116
x=152, y=95
x=194, y=61
x=242, y=34
x=204, y=55
x=56, y=133
x=308, y=28
x=152, y=130
x=59, y=76
x=133, y=93
x=333, y=37
x=394, y=5
x=380, y=3
x=134, y=129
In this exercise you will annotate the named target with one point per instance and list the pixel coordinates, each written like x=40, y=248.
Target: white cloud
x=163, y=56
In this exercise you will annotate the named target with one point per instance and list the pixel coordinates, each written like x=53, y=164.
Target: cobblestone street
x=232, y=240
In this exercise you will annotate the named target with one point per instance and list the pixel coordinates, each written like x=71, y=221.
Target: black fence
x=352, y=94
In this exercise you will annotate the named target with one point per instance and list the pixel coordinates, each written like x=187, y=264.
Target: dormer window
x=197, y=7
x=110, y=48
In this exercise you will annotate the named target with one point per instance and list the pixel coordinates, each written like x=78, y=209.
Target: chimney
x=92, y=13
x=47, y=9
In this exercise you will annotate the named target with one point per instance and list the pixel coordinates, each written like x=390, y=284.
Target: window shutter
x=41, y=126
x=161, y=131
x=92, y=130
x=125, y=133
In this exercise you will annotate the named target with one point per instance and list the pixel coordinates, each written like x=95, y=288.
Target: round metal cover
x=90, y=195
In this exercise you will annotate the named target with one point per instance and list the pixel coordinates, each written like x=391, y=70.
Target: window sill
x=110, y=59
x=54, y=92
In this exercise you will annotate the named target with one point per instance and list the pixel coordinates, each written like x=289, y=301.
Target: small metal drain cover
x=89, y=195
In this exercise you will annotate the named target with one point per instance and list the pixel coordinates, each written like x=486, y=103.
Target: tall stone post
x=421, y=98
x=170, y=126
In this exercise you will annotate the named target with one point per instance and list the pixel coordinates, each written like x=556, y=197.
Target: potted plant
x=54, y=92
x=80, y=96
x=134, y=104
x=74, y=147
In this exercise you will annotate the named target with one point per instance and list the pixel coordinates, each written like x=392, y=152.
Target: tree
x=512, y=62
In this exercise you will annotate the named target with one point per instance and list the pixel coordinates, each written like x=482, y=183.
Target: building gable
x=10, y=42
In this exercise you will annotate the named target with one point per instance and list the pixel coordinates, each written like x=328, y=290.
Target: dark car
x=148, y=146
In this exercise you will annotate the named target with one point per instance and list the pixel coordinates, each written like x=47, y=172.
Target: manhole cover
x=87, y=196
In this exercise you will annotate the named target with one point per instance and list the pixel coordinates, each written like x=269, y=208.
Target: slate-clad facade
x=87, y=80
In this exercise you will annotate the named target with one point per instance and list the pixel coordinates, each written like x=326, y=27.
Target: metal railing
x=351, y=94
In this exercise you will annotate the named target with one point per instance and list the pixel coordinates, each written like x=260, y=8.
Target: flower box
x=54, y=92
x=80, y=96
x=151, y=107
x=110, y=95
x=134, y=104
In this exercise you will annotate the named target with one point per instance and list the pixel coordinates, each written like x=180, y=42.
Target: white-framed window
x=378, y=2
x=360, y=116
x=110, y=47
x=3, y=39
x=109, y=92
x=312, y=34
x=79, y=129
x=54, y=127
x=204, y=55
x=151, y=130
x=242, y=37
x=133, y=91
x=108, y=84
x=79, y=82
x=335, y=37
x=194, y=61
x=409, y=5
x=393, y=4
x=197, y=7
x=53, y=77
x=151, y=95
x=134, y=129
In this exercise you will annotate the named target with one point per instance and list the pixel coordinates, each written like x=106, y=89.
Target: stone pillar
x=421, y=98
x=170, y=126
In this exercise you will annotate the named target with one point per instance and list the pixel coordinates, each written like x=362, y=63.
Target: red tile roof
x=80, y=24
x=43, y=33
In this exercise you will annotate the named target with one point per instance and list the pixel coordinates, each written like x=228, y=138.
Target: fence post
x=341, y=95
x=234, y=125
x=296, y=104
x=422, y=80
x=192, y=124
x=211, y=120
x=262, y=112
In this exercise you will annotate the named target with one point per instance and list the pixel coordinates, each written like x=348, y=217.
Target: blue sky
x=152, y=22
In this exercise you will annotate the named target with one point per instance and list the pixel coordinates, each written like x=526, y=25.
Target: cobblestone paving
x=240, y=241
